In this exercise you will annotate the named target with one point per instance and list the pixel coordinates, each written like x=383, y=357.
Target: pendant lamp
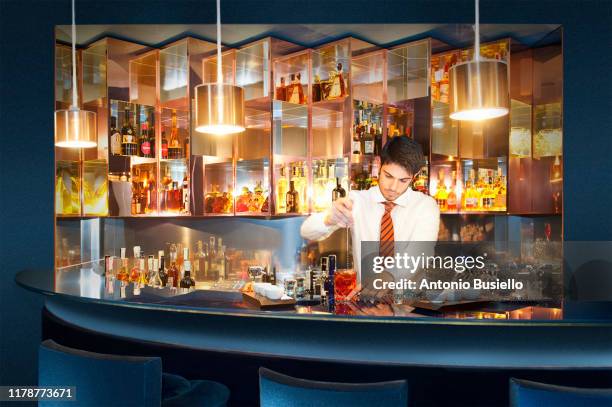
x=478, y=88
x=219, y=106
x=75, y=128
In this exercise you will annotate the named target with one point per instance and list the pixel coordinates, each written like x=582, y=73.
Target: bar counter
x=222, y=322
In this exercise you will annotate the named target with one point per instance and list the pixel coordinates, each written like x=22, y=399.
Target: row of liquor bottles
x=136, y=137
x=292, y=91
x=367, y=128
x=180, y=268
x=291, y=191
x=487, y=193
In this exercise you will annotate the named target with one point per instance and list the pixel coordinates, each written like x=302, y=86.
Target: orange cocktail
x=345, y=281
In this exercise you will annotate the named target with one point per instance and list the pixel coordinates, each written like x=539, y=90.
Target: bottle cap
x=123, y=252
x=136, y=251
x=187, y=265
x=185, y=253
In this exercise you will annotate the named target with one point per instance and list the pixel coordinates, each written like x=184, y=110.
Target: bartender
x=387, y=213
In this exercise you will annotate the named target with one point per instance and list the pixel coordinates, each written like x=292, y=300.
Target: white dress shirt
x=416, y=218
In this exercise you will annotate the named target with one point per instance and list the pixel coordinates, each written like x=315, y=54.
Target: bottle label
x=369, y=147
x=145, y=148
x=356, y=147
x=164, y=150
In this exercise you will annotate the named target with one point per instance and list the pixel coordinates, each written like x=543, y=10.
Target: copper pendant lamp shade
x=75, y=128
x=219, y=108
x=479, y=88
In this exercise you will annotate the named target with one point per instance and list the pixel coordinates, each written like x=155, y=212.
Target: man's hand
x=340, y=214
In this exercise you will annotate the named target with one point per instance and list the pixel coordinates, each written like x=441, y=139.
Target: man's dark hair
x=405, y=152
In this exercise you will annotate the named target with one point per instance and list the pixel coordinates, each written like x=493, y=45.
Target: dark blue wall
x=26, y=121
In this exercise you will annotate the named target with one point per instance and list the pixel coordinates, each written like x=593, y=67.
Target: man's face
x=394, y=180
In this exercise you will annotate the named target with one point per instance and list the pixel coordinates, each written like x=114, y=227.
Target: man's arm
x=314, y=227
x=320, y=225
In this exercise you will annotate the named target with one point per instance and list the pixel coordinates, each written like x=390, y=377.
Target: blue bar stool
x=116, y=380
x=525, y=393
x=279, y=390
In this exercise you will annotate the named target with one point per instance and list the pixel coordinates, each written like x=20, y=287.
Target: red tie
x=387, y=238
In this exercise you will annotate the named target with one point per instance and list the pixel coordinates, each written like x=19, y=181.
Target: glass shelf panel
x=67, y=188
x=209, y=67
x=63, y=76
x=407, y=72
x=143, y=79
x=291, y=78
x=95, y=188
x=174, y=75
x=253, y=70
x=367, y=72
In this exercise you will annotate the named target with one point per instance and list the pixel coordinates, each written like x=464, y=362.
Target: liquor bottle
x=151, y=270
x=281, y=91
x=136, y=270
x=338, y=86
x=115, y=137
x=368, y=140
x=185, y=257
x=374, y=171
x=488, y=196
x=357, y=139
x=444, y=84
x=145, y=141
x=331, y=183
x=222, y=261
x=142, y=277
x=301, y=185
x=451, y=201
x=378, y=141
x=185, y=195
x=128, y=140
x=174, y=148
x=441, y=194
x=213, y=269
x=123, y=274
x=299, y=181
x=162, y=273
x=187, y=282
x=151, y=195
x=294, y=90
x=173, y=274
x=302, y=97
x=331, y=265
x=135, y=200
x=281, y=191
x=320, y=188
x=201, y=262
x=500, y=191
x=316, y=89
x=109, y=275
x=338, y=192
x=292, y=199
x=164, y=146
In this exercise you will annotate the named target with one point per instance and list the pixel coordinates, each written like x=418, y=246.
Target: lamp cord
x=477, y=33
x=74, y=70
x=219, y=59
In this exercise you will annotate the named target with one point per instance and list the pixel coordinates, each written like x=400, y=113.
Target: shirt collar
x=401, y=200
